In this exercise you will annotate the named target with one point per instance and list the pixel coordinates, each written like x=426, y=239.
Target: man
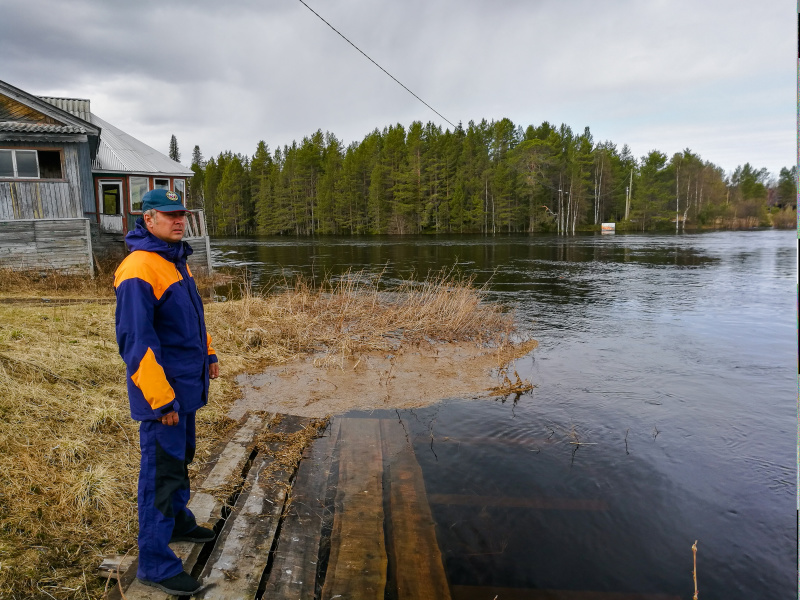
x=162, y=338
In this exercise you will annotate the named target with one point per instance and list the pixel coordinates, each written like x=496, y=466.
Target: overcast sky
x=715, y=76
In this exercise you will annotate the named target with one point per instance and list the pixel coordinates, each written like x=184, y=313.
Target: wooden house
x=71, y=185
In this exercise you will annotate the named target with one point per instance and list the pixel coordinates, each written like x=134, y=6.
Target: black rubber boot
x=182, y=584
x=198, y=534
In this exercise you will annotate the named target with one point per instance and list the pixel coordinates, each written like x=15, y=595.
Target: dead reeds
x=354, y=314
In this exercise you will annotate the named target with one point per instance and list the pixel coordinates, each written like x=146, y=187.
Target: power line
x=374, y=63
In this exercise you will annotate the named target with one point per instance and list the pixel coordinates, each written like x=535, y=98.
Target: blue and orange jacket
x=161, y=329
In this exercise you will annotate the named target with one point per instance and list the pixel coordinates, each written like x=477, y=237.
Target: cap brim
x=170, y=208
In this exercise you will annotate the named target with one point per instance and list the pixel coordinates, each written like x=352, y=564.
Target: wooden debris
x=112, y=566
x=508, y=387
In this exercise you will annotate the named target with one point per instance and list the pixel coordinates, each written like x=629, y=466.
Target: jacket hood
x=141, y=239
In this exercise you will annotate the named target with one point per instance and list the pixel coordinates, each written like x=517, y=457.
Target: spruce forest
x=489, y=177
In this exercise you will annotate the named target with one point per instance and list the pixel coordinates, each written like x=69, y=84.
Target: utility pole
x=677, y=198
x=628, y=199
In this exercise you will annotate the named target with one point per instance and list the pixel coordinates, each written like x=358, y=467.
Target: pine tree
x=197, y=156
x=174, y=153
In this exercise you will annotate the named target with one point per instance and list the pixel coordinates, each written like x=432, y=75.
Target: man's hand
x=170, y=418
x=213, y=370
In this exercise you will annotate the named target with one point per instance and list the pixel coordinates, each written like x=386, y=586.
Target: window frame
x=14, y=166
x=101, y=199
x=182, y=192
x=15, y=175
x=131, y=179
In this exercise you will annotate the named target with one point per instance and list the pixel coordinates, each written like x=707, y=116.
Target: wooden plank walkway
x=295, y=569
x=417, y=566
x=242, y=549
x=353, y=522
x=357, y=567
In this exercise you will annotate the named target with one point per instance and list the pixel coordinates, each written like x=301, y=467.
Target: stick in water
x=694, y=553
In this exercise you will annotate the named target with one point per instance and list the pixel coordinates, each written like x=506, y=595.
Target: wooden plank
x=15, y=201
x=358, y=562
x=417, y=561
x=236, y=565
x=206, y=508
x=294, y=568
x=113, y=566
x=468, y=592
x=5, y=200
x=535, y=502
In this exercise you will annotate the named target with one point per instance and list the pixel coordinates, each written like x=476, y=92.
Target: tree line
x=489, y=177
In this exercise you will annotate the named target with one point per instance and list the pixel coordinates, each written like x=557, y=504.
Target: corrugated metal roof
x=79, y=107
x=19, y=127
x=122, y=153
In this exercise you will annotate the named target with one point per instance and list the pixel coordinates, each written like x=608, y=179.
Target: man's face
x=167, y=226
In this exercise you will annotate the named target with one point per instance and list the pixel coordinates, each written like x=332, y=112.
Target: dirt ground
x=409, y=378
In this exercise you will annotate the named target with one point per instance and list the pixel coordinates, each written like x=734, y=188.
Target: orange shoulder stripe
x=150, y=268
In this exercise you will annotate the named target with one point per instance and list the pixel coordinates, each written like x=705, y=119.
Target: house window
x=21, y=164
x=110, y=195
x=31, y=164
x=162, y=184
x=6, y=163
x=50, y=164
x=180, y=189
x=139, y=187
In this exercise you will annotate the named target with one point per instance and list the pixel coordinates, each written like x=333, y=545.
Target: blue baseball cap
x=162, y=201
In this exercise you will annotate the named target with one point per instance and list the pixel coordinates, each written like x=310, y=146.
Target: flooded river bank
x=664, y=411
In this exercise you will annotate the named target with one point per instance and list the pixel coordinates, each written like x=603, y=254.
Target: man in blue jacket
x=162, y=338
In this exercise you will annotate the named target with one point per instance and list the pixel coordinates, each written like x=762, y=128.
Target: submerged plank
x=418, y=568
x=468, y=592
x=219, y=472
x=294, y=569
x=534, y=502
x=240, y=557
x=357, y=566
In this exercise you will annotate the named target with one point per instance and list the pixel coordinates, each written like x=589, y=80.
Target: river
x=664, y=410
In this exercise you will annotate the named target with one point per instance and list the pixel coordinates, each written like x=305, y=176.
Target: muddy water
x=664, y=411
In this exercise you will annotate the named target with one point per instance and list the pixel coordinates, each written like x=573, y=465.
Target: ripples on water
x=672, y=358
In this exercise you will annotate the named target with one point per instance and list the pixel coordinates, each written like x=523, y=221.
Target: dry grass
x=352, y=315
x=68, y=448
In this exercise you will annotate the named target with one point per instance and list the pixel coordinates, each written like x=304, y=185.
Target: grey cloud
x=227, y=74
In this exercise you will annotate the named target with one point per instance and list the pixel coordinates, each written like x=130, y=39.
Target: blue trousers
x=167, y=451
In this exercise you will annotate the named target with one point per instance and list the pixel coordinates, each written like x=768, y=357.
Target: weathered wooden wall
x=107, y=247
x=63, y=244
x=200, y=260
x=65, y=198
x=111, y=248
x=87, y=194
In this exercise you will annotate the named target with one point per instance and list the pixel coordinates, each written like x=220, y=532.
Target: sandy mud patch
x=406, y=378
